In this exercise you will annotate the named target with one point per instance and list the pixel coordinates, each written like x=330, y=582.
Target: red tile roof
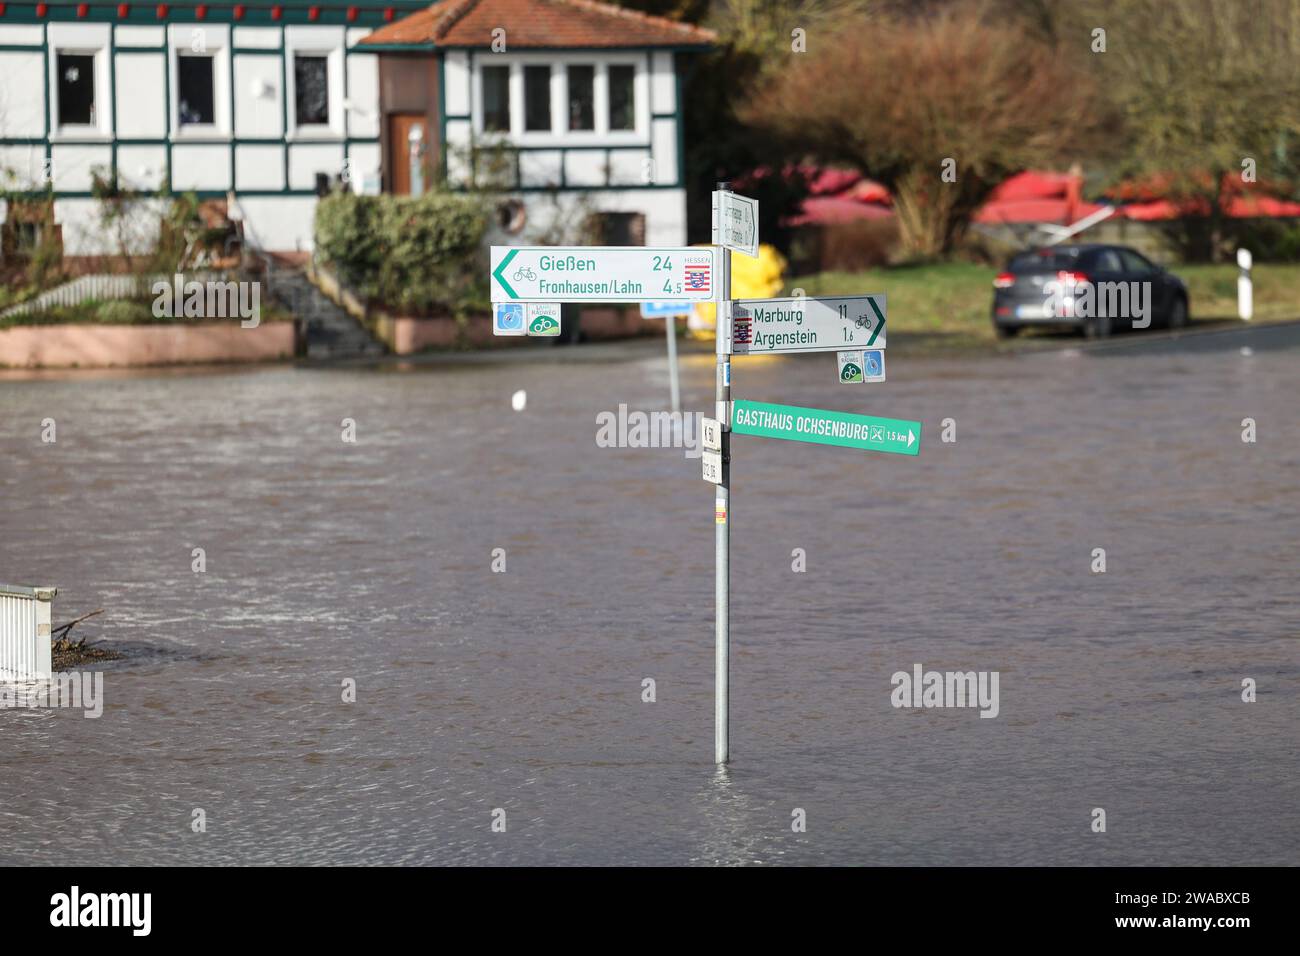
x=533, y=24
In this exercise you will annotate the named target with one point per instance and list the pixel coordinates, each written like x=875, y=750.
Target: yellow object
x=759, y=278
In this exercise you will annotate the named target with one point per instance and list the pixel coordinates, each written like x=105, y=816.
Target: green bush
x=90, y=312
x=123, y=312
x=411, y=252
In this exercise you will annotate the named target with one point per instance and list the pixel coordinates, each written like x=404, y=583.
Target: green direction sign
x=805, y=324
x=827, y=428
x=601, y=274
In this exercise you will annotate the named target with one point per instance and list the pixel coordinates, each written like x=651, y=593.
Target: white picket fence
x=82, y=289
x=25, y=643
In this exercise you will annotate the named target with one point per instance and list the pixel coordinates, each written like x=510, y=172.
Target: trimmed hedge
x=419, y=253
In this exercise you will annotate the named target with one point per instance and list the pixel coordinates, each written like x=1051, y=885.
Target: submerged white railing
x=101, y=287
x=25, y=643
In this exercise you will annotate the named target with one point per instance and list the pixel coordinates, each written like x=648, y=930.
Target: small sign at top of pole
x=738, y=222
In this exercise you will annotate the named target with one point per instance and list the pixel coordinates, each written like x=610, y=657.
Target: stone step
x=330, y=331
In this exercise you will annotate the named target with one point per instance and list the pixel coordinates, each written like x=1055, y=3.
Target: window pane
x=1107, y=261
x=311, y=90
x=1134, y=262
x=582, y=98
x=496, y=99
x=76, y=88
x=194, y=78
x=537, y=98
x=622, y=102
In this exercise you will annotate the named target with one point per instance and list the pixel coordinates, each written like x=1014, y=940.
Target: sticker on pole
x=738, y=222
x=850, y=367
x=711, y=434
x=543, y=318
x=712, y=466
x=508, y=318
x=873, y=365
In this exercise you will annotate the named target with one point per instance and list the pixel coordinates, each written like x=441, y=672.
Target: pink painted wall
x=64, y=346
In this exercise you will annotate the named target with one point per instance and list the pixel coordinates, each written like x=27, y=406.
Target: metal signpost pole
x=528, y=283
x=722, y=493
x=674, y=389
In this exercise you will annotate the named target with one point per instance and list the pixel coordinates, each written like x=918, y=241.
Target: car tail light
x=1067, y=277
x=1004, y=280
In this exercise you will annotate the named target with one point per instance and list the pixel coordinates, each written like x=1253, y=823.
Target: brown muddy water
x=522, y=691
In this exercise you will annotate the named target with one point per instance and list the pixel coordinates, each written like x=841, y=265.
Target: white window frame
x=333, y=129
x=180, y=38
x=102, y=104
x=559, y=134
x=595, y=98
x=479, y=99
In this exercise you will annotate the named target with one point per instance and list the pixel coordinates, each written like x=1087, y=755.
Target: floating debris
x=67, y=653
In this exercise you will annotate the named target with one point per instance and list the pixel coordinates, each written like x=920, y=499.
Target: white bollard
x=1245, y=292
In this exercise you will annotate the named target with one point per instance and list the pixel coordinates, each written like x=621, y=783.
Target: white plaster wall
x=540, y=168
x=141, y=166
x=259, y=79
x=259, y=166
x=21, y=100
x=21, y=34
x=27, y=164
x=456, y=82
x=139, y=36
x=305, y=161
x=663, y=83
x=366, y=159
x=74, y=165
x=664, y=210
x=259, y=38
x=281, y=223
x=197, y=166
x=630, y=167
x=585, y=168
x=363, y=95
x=84, y=233
x=139, y=81
x=664, y=144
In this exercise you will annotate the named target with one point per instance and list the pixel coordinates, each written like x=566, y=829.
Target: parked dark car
x=1098, y=289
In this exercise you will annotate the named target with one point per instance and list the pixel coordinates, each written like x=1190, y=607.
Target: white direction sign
x=711, y=466
x=601, y=274
x=738, y=222
x=711, y=434
x=802, y=324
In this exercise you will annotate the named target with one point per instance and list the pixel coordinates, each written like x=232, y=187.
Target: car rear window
x=1046, y=260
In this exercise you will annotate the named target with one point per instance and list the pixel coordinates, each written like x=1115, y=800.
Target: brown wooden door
x=400, y=146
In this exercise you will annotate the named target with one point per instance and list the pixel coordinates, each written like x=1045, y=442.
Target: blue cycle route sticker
x=508, y=318
x=873, y=364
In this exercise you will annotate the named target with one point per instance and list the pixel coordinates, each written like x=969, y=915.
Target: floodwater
x=522, y=690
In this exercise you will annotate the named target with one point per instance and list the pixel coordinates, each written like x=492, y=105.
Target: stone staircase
x=330, y=332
